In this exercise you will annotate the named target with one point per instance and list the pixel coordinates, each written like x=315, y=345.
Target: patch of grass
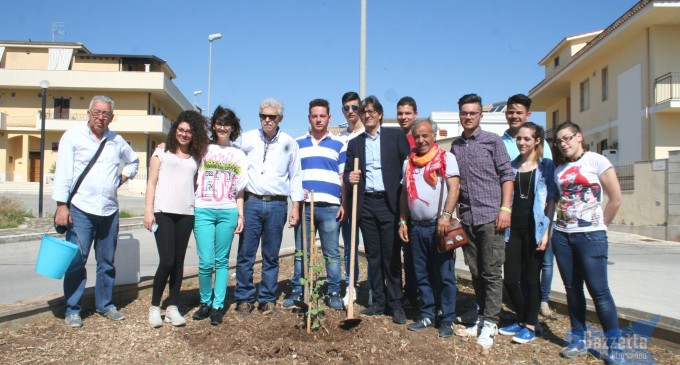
x=126, y=214
x=12, y=213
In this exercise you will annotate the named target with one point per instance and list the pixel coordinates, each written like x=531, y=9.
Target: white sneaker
x=370, y=297
x=545, y=310
x=486, y=336
x=472, y=331
x=155, y=320
x=173, y=316
x=345, y=299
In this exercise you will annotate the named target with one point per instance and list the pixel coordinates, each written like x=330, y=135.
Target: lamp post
x=211, y=38
x=197, y=93
x=44, y=84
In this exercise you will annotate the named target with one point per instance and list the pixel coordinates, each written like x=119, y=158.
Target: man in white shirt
x=93, y=211
x=273, y=175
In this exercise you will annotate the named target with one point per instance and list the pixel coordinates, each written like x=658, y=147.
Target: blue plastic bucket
x=54, y=257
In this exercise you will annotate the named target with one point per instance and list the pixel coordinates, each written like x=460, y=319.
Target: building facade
x=620, y=84
x=146, y=101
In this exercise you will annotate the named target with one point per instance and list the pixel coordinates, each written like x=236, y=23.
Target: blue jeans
x=263, y=220
x=214, y=232
x=582, y=257
x=328, y=228
x=435, y=273
x=85, y=229
x=547, y=273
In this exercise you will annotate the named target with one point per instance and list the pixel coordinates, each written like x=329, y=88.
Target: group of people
x=517, y=205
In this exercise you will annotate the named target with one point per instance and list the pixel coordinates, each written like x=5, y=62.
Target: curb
x=13, y=315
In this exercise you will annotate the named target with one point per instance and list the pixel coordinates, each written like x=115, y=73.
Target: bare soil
x=278, y=338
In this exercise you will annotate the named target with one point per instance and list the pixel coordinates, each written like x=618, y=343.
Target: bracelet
x=447, y=212
x=506, y=209
x=445, y=215
x=402, y=223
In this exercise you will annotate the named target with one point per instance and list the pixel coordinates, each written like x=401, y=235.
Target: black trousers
x=522, y=271
x=172, y=239
x=383, y=250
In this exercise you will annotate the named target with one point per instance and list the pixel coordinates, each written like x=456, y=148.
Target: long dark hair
x=199, y=138
x=538, y=134
x=225, y=116
x=558, y=157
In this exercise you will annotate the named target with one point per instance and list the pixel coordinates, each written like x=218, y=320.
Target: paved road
x=20, y=282
x=129, y=203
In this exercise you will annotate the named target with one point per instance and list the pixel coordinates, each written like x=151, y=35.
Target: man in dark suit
x=381, y=154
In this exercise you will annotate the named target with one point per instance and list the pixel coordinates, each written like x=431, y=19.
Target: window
x=605, y=84
x=62, y=107
x=584, y=95
x=555, y=118
x=602, y=146
x=556, y=62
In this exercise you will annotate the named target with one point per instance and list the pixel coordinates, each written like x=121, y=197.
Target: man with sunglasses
x=486, y=185
x=381, y=153
x=93, y=212
x=274, y=174
x=350, y=110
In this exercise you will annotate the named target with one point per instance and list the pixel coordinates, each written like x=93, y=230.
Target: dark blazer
x=394, y=150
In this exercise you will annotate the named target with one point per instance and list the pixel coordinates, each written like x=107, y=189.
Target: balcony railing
x=667, y=87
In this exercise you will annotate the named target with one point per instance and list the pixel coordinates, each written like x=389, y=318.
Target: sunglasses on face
x=270, y=116
x=347, y=107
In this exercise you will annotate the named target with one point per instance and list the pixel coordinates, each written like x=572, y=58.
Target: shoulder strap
x=441, y=198
x=87, y=169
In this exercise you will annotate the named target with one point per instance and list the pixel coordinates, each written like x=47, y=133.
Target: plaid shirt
x=484, y=165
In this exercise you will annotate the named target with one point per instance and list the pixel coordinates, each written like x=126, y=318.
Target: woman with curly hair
x=219, y=212
x=169, y=209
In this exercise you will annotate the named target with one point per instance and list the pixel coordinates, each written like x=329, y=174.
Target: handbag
x=62, y=229
x=455, y=237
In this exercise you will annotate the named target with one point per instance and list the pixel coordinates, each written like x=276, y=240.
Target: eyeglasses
x=471, y=114
x=565, y=139
x=96, y=113
x=222, y=127
x=370, y=112
x=347, y=107
x=270, y=116
x=188, y=132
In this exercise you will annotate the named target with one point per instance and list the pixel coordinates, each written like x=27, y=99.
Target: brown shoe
x=269, y=307
x=244, y=308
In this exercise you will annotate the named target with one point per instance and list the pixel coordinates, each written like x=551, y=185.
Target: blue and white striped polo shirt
x=322, y=165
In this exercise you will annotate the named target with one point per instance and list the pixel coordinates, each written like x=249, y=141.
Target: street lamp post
x=211, y=38
x=44, y=84
x=197, y=93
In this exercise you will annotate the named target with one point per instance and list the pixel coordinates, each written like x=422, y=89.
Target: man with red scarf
x=423, y=217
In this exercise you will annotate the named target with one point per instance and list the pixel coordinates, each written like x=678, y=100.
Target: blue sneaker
x=524, y=336
x=615, y=353
x=577, y=347
x=335, y=302
x=510, y=330
x=290, y=301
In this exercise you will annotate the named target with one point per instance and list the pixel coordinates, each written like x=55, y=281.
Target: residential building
x=146, y=101
x=620, y=84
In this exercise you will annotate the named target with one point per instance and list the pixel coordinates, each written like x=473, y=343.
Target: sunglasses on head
x=346, y=107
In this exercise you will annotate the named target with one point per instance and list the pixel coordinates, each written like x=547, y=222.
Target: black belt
x=374, y=194
x=322, y=204
x=268, y=198
x=426, y=223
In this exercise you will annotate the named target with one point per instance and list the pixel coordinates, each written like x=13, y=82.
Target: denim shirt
x=545, y=189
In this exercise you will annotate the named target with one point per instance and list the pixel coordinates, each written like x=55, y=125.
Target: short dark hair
x=225, y=116
x=350, y=96
x=371, y=100
x=520, y=99
x=469, y=99
x=558, y=157
x=319, y=102
x=407, y=100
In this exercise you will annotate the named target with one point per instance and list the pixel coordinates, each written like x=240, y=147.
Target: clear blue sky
x=298, y=50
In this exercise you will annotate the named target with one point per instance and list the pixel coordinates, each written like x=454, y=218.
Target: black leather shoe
x=372, y=311
x=202, y=312
x=446, y=330
x=216, y=316
x=399, y=317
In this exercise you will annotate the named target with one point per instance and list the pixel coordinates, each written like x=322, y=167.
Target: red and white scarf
x=432, y=162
